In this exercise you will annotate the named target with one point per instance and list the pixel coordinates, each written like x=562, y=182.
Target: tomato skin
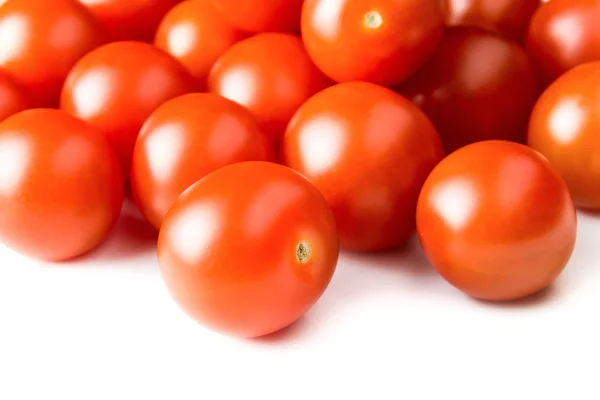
x=261, y=15
x=478, y=86
x=228, y=248
x=497, y=221
x=369, y=151
x=116, y=87
x=12, y=97
x=195, y=34
x=271, y=75
x=185, y=139
x=61, y=187
x=31, y=51
x=353, y=40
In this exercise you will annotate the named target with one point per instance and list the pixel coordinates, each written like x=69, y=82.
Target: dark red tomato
x=497, y=221
x=195, y=34
x=369, y=151
x=41, y=40
x=248, y=249
x=507, y=17
x=565, y=127
x=130, y=19
x=478, y=86
x=12, y=96
x=185, y=139
x=379, y=41
x=61, y=187
x=271, y=75
x=262, y=15
x=117, y=86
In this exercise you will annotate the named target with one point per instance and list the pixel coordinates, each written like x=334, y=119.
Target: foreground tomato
x=248, y=249
x=369, y=151
x=40, y=41
x=271, y=75
x=497, y=221
x=184, y=140
x=478, y=86
x=195, y=34
x=117, y=86
x=380, y=41
x=12, y=97
x=61, y=188
x=261, y=15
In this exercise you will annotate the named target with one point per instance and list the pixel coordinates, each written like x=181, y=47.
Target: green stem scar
x=303, y=252
x=373, y=20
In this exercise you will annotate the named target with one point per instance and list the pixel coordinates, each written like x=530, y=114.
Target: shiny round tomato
x=248, y=249
x=185, y=139
x=478, y=86
x=130, y=19
x=497, y=221
x=117, y=86
x=271, y=75
x=368, y=150
x=12, y=96
x=61, y=187
x=565, y=127
x=261, y=15
x=379, y=41
x=40, y=41
x=195, y=34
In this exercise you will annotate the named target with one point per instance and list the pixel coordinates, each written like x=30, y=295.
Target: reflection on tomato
x=261, y=16
x=478, y=86
x=497, y=221
x=248, y=249
x=369, y=151
x=12, y=97
x=61, y=187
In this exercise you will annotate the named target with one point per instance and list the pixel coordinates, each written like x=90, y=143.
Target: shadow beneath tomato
x=540, y=299
x=296, y=331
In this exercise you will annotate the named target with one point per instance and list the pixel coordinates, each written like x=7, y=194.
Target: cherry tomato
x=117, y=86
x=12, y=97
x=271, y=75
x=380, y=41
x=261, y=15
x=564, y=34
x=61, y=187
x=195, y=34
x=369, y=151
x=130, y=19
x=478, y=86
x=248, y=249
x=184, y=140
x=40, y=41
x=497, y=221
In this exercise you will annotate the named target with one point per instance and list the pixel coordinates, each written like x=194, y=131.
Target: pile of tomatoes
x=260, y=137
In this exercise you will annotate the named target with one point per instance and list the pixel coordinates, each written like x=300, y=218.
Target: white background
x=104, y=327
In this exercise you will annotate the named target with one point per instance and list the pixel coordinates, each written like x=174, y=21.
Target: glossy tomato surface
x=248, y=249
x=564, y=34
x=497, y=221
x=41, y=40
x=13, y=98
x=117, y=86
x=369, y=151
x=271, y=75
x=195, y=34
x=185, y=139
x=261, y=15
x=61, y=187
x=379, y=41
x=565, y=127
x=478, y=86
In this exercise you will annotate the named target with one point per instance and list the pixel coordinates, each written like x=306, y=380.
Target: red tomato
x=478, y=86
x=185, y=139
x=261, y=15
x=195, y=34
x=271, y=75
x=61, y=187
x=248, y=249
x=497, y=221
x=12, y=97
x=380, y=41
x=565, y=127
x=369, y=151
x=130, y=19
x=564, y=34
x=40, y=41
x=117, y=86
